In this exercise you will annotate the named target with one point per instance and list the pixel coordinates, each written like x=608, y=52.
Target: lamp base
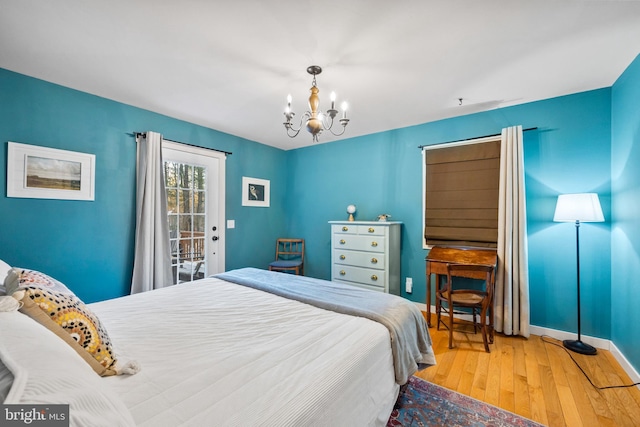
x=579, y=347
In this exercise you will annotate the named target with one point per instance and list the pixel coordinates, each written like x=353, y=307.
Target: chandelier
x=315, y=121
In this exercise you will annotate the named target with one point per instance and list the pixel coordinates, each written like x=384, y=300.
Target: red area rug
x=422, y=403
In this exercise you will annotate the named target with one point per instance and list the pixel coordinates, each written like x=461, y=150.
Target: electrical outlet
x=408, y=285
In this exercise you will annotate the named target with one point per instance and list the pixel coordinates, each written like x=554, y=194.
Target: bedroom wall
x=89, y=245
x=382, y=173
x=625, y=230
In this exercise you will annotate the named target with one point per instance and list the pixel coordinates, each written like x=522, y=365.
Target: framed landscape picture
x=49, y=173
x=255, y=192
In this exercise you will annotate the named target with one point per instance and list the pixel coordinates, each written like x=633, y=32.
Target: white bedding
x=213, y=353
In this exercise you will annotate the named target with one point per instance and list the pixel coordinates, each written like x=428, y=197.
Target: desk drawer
x=360, y=243
x=360, y=259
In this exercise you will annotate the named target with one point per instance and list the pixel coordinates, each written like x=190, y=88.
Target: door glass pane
x=185, y=224
x=199, y=223
x=198, y=202
x=173, y=225
x=170, y=174
x=199, y=176
x=186, y=174
x=184, y=201
x=172, y=200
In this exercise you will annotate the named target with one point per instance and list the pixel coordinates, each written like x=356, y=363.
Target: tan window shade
x=461, y=200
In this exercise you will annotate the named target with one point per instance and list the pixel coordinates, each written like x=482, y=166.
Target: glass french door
x=195, y=206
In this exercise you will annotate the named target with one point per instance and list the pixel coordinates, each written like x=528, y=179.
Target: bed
x=227, y=350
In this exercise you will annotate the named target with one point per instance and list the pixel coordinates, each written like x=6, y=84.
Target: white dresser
x=366, y=254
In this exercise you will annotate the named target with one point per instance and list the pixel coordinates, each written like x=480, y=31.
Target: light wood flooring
x=535, y=379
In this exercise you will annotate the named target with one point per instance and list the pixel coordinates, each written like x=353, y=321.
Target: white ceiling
x=229, y=65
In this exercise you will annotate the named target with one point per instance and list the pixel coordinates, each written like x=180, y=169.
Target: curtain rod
x=144, y=134
x=470, y=139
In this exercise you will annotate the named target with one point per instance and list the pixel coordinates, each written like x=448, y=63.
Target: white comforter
x=214, y=353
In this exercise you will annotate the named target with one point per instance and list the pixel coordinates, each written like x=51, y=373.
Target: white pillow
x=4, y=270
x=48, y=371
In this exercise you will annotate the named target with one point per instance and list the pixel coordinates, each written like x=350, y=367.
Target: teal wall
x=382, y=173
x=625, y=232
x=89, y=245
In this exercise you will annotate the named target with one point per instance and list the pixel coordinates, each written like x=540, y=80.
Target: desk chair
x=289, y=256
x=479, y=301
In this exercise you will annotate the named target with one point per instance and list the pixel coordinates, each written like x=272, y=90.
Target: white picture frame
x=49, y=173
x=256, y=192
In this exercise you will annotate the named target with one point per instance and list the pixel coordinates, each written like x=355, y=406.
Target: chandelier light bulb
x=344, y=109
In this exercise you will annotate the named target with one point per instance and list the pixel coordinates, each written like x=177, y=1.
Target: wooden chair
x=289, y=256
x=478, y=301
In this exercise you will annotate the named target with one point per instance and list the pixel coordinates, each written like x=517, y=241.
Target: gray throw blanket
x=410, y=339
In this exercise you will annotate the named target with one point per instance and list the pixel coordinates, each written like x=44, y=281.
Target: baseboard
x=633, y=374
x=563, y=335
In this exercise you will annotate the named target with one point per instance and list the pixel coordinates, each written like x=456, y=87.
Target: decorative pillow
x=53, y=305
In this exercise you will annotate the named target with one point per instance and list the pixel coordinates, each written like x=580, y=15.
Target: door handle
x=214, y=238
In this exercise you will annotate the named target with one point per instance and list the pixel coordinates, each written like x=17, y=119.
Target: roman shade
x=461, y=194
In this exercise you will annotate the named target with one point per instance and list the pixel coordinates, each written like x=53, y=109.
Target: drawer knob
x=342, y=242
x=371, y=230
x=374, y=277
x=342, y=272
x=374, y=261
x=345, y=228
x=342, y=257
x=374, y=244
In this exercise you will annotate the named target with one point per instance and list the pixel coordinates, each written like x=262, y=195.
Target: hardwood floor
x=536, y=379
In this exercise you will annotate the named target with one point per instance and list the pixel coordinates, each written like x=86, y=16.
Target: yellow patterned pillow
x=53, y=305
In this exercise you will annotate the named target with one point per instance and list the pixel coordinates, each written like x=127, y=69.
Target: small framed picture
x=48, y=173
x=255, y=192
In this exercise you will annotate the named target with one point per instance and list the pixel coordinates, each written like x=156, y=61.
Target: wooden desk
x=440, y=256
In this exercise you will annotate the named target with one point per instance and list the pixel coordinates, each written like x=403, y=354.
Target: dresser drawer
x=362, y=285
x=365, y=276
x=364, y=230
x=359, y=243
x=344, y=229
x=360, y=259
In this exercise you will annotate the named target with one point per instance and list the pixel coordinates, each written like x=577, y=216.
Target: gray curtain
x=512, y=279
x=152, y=262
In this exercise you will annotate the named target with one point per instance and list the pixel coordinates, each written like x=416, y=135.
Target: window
x=461, y=190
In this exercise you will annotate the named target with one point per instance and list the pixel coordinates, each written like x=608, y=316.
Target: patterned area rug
x=422, y=403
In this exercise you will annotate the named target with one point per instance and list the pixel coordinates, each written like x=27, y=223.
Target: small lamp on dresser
x=351, y=209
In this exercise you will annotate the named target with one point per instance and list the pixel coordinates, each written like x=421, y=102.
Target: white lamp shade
x=583, y=207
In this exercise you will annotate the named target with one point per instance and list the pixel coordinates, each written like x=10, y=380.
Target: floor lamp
x=583, y=207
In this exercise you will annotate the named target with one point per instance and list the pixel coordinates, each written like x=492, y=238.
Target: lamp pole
x=577, y=345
